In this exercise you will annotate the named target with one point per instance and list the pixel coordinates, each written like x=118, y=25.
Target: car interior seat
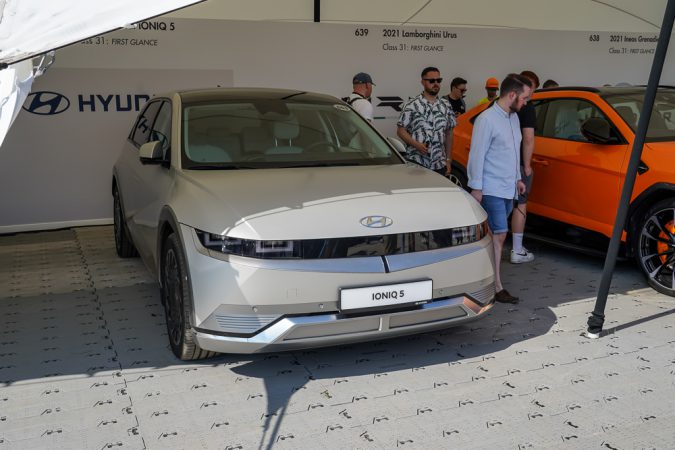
x=285, y=131
x=255, y=140
x=627, y=114
x=201, y=147
x=567, y=124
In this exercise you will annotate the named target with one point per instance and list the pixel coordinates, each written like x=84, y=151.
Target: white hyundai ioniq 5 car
x=279, y=220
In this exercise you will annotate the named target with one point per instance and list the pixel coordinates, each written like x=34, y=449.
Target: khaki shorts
x=522, y=198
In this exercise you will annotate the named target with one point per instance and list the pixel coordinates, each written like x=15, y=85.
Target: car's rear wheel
x=654, y=246
x=123, y=243
x=177, y=300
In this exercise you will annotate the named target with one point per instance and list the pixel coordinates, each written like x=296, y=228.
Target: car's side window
x=141, y=131
x=540, y=108
x=564, y=117
x=161, y=130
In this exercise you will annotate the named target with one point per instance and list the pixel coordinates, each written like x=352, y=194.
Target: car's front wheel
x=458, y=176
x=654, y=246
x=177, y=300
x=123, y=243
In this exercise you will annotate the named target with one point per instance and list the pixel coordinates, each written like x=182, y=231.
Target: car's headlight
x=247, y=247
x=471, y=233
x=355, y=246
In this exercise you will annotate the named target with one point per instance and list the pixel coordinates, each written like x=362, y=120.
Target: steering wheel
x=326, y=143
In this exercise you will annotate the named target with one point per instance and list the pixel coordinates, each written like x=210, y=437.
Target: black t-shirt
x=528, y=119
x=458, y=106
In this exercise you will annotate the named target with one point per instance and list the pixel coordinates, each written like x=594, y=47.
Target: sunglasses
x=433, y=80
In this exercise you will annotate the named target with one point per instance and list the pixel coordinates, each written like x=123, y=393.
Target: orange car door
x=576, y=181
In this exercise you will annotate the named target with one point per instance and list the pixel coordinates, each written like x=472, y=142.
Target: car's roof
x=252, y=94
x=605, y=90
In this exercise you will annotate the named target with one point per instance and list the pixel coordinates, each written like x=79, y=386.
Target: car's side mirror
x=596, y=130
x=151, y=153
x=398, y=145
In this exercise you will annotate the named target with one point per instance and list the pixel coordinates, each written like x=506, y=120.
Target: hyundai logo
x=376, y=221
x=46, y=103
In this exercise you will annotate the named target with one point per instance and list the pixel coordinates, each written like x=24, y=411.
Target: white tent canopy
x=591, y=15
x=31, y=27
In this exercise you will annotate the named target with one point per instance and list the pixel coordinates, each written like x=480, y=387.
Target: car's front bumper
x=319, y=330
x=242, y=305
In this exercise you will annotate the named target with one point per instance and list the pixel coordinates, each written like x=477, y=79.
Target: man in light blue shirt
x=494, y=165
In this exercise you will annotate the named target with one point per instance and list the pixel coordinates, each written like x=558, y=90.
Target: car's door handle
x=543, y=162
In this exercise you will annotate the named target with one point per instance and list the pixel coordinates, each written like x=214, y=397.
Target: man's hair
x=549, y=83
x=457, y=81
x=514, y=83
x=532, y=76
x=429, y=69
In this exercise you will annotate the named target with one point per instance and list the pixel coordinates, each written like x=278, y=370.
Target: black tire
x=654, y=246
x=123, y=243
x=458, y=176
x=177, y=300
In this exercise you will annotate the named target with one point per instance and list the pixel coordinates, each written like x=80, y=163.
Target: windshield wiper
x=326, y=164
x=212, y=167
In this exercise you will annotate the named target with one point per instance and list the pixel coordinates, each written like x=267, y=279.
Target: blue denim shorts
x=498, y=210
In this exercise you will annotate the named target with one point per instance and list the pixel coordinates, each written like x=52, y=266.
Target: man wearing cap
x=491, y=87
x=360, y=97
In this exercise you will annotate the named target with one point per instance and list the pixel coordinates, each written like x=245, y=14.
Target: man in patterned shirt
x=426, y=124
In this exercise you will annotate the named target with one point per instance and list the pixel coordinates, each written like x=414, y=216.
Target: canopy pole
x=597, y=318
x=317, y=10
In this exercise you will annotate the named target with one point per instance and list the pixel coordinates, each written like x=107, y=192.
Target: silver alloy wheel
x=656, y=249
x=452, y=177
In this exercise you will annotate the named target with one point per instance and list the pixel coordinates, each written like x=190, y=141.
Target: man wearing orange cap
x=491, y=87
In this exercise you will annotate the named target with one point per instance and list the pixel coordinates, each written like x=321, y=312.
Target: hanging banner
x=56, y=162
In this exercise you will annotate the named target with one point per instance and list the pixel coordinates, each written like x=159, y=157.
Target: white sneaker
x=524, y=257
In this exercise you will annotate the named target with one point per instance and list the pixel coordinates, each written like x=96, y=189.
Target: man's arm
x=480, y=143
x=528, y=149
x=402, y=133
x=448, y=151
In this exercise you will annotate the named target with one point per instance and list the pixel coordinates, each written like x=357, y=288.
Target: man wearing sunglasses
x=456, y=96
x=425, y=125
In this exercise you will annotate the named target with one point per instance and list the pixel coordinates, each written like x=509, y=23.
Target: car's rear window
x=279, y=133
x=662, y=121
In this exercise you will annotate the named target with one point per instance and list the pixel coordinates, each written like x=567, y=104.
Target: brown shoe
x=503, y=296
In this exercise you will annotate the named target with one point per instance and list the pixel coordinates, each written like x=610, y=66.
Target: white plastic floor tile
x=84, y=363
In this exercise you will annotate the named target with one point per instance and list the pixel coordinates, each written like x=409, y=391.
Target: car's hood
x=313, y=203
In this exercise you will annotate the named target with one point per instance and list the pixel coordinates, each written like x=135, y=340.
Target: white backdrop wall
x=56, y=162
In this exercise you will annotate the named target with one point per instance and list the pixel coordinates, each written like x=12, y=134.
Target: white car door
x=145, y=186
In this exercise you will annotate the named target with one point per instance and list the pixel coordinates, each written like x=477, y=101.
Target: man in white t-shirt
x=360, y=96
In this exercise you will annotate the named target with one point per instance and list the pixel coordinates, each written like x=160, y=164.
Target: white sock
x=517, y=242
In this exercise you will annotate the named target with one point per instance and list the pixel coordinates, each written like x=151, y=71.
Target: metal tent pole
x=597, y=318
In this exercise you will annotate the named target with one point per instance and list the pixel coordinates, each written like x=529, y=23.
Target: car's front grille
x=243, y=324
x=484, y=295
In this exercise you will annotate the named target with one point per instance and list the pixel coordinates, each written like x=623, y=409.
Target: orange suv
x=583, y=140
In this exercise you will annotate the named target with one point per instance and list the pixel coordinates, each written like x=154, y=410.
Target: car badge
x=376, y=221
x=341, y=107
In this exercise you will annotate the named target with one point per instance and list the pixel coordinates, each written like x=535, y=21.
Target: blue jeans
x=498, y=210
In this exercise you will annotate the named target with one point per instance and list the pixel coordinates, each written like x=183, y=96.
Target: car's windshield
x=662, y=122
x=279, y=133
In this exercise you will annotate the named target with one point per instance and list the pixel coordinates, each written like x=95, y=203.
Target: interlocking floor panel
x=85, y=363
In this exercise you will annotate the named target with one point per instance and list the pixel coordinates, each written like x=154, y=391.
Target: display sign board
x=56, y=162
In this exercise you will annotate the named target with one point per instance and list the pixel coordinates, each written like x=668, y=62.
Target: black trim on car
x=345, y=247
x=571, y=88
